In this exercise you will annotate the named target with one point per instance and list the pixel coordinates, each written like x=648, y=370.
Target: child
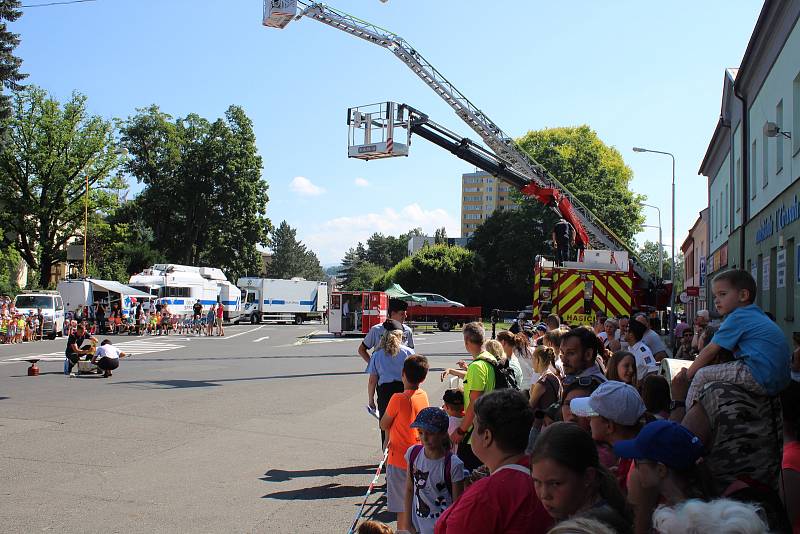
x=762, y=355
x=454, y=406
x=435, y=474
x=400, y=413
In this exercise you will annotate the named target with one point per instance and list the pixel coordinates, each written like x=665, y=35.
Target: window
x=489, y=189
x=472, y=208
x=796, y=114
x=472, y=216
x=472, y=198
x=764, y=161
x=727, y=206
x=471, y=189
x=737, y=184
x=753, y=169
x=779, y=139
x=489, y=197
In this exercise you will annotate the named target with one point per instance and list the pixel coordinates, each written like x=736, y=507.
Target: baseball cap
x=431, y=419
x=666, y=442
x=542, y=327
x=391, y=324
x=616, y=401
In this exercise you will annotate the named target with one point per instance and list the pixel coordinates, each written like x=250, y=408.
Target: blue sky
x=639, y=73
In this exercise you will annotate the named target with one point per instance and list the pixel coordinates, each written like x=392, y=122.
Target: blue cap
x=666, y=442
x=431, y=419
x=542, y=327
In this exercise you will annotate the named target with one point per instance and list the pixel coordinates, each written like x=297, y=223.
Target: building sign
x=765, y=274
x=780, y=269
x=784, y=216
x=754, y=271
x=693, y=291
x=702, y=271
x=797, y=264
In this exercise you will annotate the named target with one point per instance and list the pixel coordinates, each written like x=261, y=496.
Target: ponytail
x=543, y=357
x=392, y=341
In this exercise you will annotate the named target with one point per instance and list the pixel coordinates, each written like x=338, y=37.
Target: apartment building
x=481, y=195
x=694, y=250
x=753, y=164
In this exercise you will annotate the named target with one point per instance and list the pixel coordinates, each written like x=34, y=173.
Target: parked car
x=52, y=309
x=432, y=299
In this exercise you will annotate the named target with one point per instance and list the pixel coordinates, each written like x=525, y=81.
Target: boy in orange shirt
x=396, y=421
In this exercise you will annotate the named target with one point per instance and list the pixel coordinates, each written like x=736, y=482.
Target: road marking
x=245, y=332
x=260, y=339
x=135, y=347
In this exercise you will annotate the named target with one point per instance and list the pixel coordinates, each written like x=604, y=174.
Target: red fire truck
x=355, y=312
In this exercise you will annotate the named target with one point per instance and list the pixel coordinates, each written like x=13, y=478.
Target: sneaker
x=72, y=375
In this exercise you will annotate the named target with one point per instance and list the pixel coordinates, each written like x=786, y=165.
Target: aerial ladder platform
x=510, y=162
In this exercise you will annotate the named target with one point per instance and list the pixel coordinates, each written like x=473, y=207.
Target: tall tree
x=510, y=240
x=440, y=236
x=291, y=258
x=9, y=63
x=54, y=153
x=593, y=171
x=204, y=197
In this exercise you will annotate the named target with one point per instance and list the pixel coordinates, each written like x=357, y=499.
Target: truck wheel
x=298, y=319
x=445, y=325
x=52, y=334
x=254, y=319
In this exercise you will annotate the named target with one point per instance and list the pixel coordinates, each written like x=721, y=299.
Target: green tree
x=364, y=277
x=440, y=236
x=9, y=268
x=648, y=253
x=290, y=258
x=9, y=63
x=353, y=258
x=204, y=198
x=593, y=171
x=451, y=271
x=510, y=241
x=54, y=151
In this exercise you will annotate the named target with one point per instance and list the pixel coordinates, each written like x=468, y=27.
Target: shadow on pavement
x=279, y=475
x=3, y=398
x=377, y=511
x=315, y=493
x=179, y=384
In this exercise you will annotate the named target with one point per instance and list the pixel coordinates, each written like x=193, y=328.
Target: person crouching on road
x=74, y=347
x=107, y=357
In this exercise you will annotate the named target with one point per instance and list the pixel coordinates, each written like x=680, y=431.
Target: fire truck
x=384, y=130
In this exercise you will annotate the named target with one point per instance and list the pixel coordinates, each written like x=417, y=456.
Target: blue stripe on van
x=307, y=302
x=278, y=302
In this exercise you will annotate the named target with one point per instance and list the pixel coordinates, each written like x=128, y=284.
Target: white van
x=52, y=308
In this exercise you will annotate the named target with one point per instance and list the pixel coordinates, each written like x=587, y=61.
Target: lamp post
x=118, y=151
x=660, y=240
x=672, y=261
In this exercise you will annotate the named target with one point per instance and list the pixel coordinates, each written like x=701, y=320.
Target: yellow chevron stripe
x=623, y=292
x=571, y=293
x=574, y=309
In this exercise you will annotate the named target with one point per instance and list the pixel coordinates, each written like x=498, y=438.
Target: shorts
x=396, y=489
x=217, y=321
x=735, y=372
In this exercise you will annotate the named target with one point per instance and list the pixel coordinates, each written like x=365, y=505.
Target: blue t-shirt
x=756, y=339
x=388, y=368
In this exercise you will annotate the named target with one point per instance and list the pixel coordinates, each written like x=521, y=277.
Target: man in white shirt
x=645, y=361
x=397, y=311
x=106, y=357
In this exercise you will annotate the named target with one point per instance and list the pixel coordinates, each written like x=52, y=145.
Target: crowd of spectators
x=590, y=435
x=18, y=327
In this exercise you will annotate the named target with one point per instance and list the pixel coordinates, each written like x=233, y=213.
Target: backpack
x=503, y=374
x=447, y=466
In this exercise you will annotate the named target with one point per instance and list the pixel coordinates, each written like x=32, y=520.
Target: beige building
x=695, y=250
x=481, y=195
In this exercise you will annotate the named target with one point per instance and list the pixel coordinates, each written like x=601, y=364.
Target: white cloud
x=331, y=239
x=303, y=186
x=361, y=182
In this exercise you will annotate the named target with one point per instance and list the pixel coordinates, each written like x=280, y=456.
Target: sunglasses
x=584, y=381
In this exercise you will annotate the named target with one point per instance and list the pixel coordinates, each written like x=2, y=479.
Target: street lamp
x=672, y=262
x=660, y=241
x=119, y=151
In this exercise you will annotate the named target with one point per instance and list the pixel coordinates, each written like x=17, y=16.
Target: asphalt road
x=263, y=430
